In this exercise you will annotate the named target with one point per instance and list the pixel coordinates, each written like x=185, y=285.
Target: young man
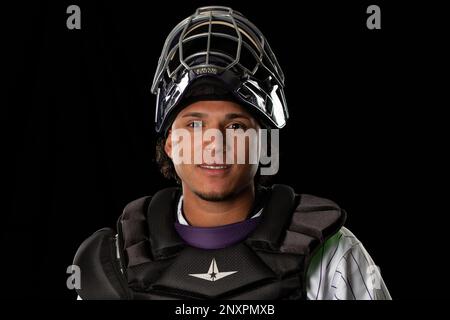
x=222, y=235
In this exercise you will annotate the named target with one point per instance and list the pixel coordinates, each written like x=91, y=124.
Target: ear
x=168, y=144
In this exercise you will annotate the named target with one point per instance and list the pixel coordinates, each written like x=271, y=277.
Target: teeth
x=213, y=167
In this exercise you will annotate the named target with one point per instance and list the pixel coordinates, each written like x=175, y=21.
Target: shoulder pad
x=146, y=231
x=314, y=221
x=101, y=276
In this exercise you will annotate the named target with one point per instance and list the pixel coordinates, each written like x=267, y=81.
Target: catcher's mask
x=217, y=54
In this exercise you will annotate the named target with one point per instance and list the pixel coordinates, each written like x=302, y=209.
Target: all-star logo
x=213, y=273
x=206, y=70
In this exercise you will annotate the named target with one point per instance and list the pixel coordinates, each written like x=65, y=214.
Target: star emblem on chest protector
x=213, y=273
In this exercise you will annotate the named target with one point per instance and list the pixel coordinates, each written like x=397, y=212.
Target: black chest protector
x=147, y=259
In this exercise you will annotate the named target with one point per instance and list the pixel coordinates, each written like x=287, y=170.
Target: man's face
x=208, y=178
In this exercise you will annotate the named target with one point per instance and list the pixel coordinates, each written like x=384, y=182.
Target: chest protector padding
x=156, y=264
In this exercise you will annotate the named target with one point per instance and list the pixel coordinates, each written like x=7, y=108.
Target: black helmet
x=219, y=53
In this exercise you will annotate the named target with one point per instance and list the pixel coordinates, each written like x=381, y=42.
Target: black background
x=364, y=128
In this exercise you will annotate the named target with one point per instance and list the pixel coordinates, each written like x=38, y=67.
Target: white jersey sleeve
x=342, y=269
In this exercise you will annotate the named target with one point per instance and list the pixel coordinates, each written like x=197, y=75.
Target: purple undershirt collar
x=216, y=237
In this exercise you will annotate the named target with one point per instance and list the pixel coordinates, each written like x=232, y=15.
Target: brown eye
x=195, y=124
x=236, y=126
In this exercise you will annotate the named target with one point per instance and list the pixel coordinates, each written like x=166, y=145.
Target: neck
x=203, y=213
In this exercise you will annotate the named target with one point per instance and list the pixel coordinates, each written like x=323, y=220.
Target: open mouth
x=215, y=170
x=214, y=166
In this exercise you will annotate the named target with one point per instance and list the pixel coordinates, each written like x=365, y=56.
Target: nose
x=214, y=145
x=214, y=140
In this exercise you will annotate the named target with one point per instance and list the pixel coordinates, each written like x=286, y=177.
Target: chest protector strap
x=148, y=260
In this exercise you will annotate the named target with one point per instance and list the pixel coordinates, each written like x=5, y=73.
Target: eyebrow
x=229, y=116
x=195, y=114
